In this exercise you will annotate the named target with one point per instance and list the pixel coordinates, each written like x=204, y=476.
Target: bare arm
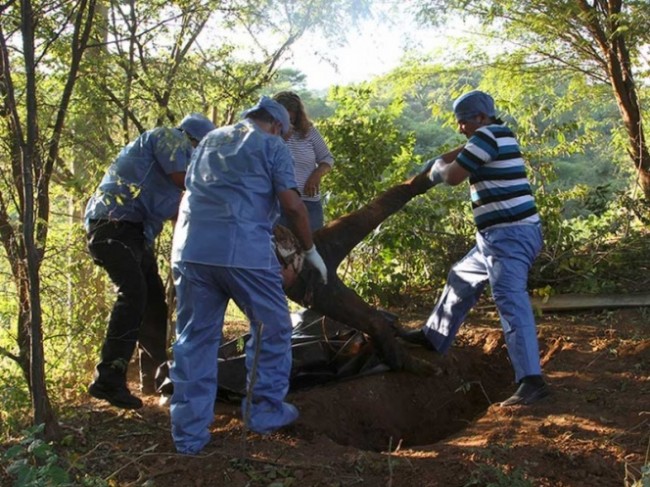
x=312, y=185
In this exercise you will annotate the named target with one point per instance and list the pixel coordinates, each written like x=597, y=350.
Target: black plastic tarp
x=323, y=350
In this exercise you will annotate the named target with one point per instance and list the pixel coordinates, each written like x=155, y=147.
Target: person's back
x=136, y=187
x=232, y=198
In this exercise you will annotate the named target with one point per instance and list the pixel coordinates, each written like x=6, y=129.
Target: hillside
x=397, y=429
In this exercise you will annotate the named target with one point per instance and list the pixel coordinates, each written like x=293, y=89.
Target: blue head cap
x=275, y=109
x=196, y=126
x=472, y=104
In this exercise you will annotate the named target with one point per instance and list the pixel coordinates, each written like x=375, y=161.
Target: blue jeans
x=314, y=212
x=501, y=257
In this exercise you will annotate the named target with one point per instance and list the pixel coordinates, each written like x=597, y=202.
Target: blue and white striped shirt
x=500, y=192
x=308, y=152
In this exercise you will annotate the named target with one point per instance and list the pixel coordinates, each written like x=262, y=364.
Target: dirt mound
x=398, y=429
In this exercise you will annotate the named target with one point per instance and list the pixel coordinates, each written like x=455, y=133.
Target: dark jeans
x=139, y=314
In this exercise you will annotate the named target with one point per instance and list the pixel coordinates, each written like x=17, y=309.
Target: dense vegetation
x=80, y=79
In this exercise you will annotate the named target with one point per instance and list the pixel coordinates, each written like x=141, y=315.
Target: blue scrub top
x=137, y=186
x=230, y=204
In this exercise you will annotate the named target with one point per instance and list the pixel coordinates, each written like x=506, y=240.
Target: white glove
x=435, y=173
x=313, y=257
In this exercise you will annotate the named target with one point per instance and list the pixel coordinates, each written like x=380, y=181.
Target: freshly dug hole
x=381, y=411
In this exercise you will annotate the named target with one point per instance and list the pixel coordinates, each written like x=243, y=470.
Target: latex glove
x=435, y=173
x=313, y=257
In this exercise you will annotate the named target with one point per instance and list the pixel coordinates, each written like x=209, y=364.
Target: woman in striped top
x=312, y=158
x=508, y=239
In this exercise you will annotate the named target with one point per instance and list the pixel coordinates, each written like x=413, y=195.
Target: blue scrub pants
x=202, y=293
x=503, y=257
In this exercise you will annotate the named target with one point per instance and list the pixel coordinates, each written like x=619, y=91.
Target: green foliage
x=372, y=153
x=76, y=302
x=15, y=399
x=414, y=249
x=591, y=251
x=269, y=474
x=640, y=478
x=34, y=463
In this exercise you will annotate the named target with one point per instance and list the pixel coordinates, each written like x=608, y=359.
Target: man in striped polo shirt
x=508, y=239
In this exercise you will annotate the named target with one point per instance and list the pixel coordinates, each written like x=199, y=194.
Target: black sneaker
x=526, y=394
x=417, y=337
x=119, y=397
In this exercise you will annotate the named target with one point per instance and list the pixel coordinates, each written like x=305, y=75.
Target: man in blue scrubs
x=508, y=239
x=140, y=190
x=239, y=177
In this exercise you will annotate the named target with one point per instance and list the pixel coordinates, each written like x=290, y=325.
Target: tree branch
x=6, y=353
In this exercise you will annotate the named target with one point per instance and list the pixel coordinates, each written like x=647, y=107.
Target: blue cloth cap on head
x=472, y=104
x=196, y=125
x=275, y=109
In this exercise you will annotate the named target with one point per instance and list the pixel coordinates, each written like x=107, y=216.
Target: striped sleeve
x=321, y=150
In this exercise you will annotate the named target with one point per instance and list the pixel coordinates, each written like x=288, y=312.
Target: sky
x=373, y=49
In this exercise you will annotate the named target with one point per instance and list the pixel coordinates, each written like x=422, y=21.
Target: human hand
x=313, y=257
x=312, y=185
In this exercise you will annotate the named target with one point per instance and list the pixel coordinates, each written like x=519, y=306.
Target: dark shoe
x=526, y=394
x=118, y=396
x=417, y=337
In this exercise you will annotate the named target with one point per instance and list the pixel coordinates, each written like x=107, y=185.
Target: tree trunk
x=31, y=163
x=610, y=38
x=626, y=97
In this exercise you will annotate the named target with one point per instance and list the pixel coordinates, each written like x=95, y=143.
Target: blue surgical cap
x=277, y=111
x=472, y=104
x=196, y=125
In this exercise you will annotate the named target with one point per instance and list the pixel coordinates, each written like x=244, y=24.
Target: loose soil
x=398, y=429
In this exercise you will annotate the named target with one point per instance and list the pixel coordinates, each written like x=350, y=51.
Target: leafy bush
x=15, y=400
x=34, y=463
x=591, y=231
